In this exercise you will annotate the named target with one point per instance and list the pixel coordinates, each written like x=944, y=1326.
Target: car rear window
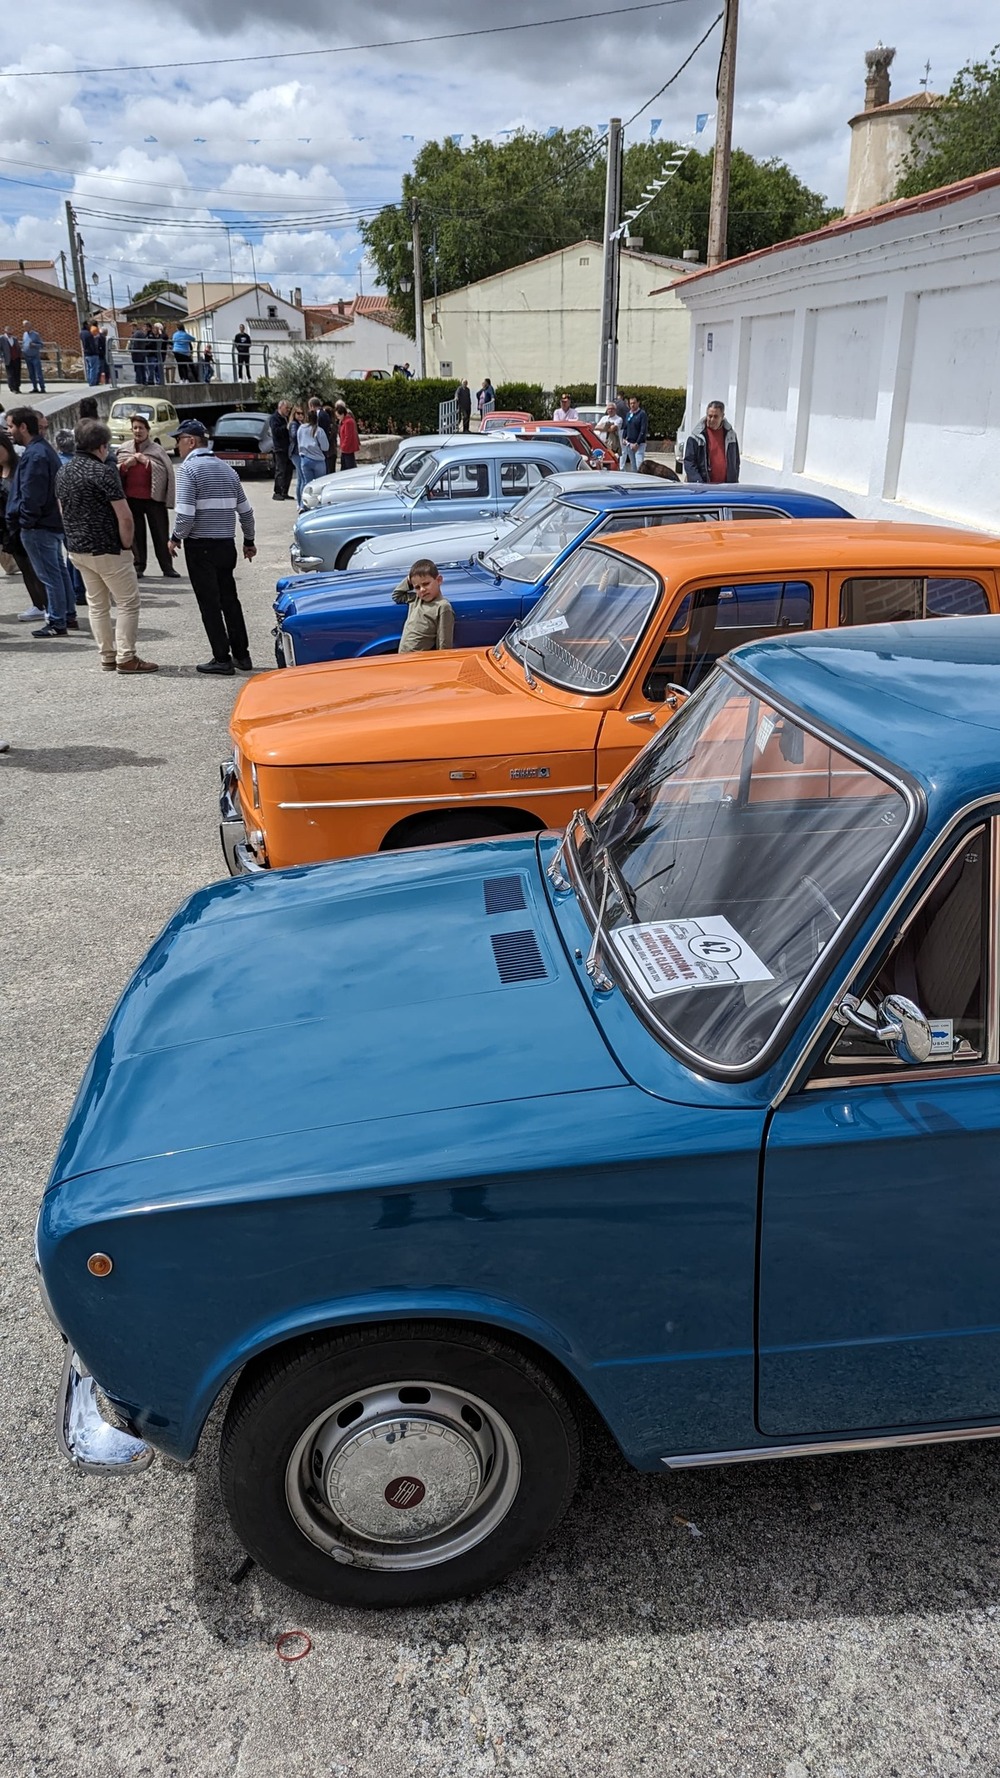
x=893, y=599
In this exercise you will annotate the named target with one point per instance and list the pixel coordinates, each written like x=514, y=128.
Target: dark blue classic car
x=690, y=1113
x=331, y=617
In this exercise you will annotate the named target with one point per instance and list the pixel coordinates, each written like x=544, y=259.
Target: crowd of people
x=306, y=438
x=21, y=354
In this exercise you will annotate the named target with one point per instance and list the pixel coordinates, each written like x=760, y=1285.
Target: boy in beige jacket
x=430, y=621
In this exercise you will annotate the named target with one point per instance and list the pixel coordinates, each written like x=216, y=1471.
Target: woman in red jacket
x=347, y=436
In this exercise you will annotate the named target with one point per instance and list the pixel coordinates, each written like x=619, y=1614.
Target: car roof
x=596, y=497
x=785, y=547
x=496, y=445
x=924, y=695
x=240, y=414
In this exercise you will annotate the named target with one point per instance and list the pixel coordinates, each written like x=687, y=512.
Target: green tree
x=487, y=207
x=157, y=287
x=961, y=136
x=303, y=373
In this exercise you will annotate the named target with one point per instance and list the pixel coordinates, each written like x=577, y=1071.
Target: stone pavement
x=829, y=1619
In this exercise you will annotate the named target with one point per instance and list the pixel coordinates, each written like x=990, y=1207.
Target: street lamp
x=406, y=284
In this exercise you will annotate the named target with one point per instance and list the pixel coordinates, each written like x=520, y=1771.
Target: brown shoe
x=135, y=665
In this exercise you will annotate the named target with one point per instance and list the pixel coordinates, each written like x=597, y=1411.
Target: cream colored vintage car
x=162, y=417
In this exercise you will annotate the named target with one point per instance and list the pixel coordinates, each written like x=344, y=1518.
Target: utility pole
x=418, y=288
x=62, y=259
x=718, y=214
x=607, y=361
x=79, y=288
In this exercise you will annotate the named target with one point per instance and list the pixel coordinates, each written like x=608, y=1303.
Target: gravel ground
x=830, y=1619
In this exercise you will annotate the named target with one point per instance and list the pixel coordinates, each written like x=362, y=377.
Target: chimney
x=877, y=79
x=691, y=255
x=21, y=264
x=340, y=305
x=298, y=297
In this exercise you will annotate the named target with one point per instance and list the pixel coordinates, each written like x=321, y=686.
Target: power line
x=289, y=55
x=676, y=76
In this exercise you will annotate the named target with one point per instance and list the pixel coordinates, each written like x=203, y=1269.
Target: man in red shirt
x=347, y=436
x=712, y=453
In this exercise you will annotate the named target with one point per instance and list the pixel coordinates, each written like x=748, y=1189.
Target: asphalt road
x=829, y=1619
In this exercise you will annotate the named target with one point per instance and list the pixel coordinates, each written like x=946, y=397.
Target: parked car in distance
x=332, y=617
x=406, y=750
x=367, y=376
x=693, y=1126
x=244, y=442
x=466, y=478
x=162, y=417
x=583, y=438
x=456, y=543
x=326, y=490
x=500, y=420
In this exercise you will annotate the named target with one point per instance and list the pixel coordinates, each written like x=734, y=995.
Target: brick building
x=45, y=306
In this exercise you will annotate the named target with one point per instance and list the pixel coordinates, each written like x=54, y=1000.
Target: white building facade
x=540, y=322
x=863, y=361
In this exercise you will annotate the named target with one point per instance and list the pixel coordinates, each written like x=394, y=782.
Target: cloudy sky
x=275, y=144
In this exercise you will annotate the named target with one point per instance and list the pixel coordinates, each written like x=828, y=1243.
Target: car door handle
x=642, y=716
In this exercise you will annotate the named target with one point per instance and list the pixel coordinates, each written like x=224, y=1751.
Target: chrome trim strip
x=885, y=1442
x=944, y=838
x=476, y=796
x=876, y=767
x=993, y=952
x=245, y=862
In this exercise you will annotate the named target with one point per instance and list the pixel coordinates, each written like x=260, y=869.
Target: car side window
x=647, y=521
x=463, y=481
x=893, y=599
x=520, y=478
x=717, y=619
x=939, y=961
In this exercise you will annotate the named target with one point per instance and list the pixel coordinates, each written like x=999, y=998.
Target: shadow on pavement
x=77, y=759
x=862, y=1536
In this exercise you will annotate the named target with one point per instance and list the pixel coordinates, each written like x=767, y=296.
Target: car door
x=459, y=490
x=879, y=1286
x=688, y=636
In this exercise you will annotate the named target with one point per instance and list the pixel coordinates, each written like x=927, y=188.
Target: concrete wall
x=368, y=345
x=539, y=323
x=865, y=363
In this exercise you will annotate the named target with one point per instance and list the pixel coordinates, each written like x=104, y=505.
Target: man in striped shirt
x=210, y=497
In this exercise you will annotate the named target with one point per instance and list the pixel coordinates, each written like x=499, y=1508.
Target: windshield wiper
x=514, y=635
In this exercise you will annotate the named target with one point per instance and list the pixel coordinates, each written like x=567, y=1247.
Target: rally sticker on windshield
x=669, y=956
x=546, y=626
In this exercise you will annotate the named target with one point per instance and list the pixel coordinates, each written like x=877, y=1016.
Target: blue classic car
x=689, y=1114
x=334, y=617
x=465, y=478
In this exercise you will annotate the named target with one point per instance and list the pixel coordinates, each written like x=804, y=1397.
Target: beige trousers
x=107, y=578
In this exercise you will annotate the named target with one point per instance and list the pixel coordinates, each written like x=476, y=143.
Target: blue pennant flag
x=654, y=124
x=194, y=138
x=602, y=129
x=456, y=141
x=407, y=138
x=149, y=138
x=700, y=122
x=553, y=130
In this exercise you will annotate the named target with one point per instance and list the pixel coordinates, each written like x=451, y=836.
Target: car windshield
x=525, y=553
x=534, y=502
x=728, y=859
x=124, y=410
x=422, y=474
x=587, y=625
x=410, y=464
x=250, y=424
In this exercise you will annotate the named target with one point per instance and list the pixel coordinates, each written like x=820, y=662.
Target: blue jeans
x=44, y=550
x=92, y=367
x=309, y=469
x=33, y=366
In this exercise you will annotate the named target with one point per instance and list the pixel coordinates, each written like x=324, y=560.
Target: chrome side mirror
x=899, y=1023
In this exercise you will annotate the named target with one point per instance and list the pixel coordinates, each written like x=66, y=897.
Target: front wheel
x=398, y=1465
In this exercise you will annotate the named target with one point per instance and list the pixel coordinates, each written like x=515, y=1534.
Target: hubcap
x=402, y=1475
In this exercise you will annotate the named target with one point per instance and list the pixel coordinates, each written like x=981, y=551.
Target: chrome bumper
x=88, y=1440
x=236, y=850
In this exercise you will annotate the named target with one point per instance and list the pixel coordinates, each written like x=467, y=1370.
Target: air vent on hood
x=518, y=958
x=503, y=895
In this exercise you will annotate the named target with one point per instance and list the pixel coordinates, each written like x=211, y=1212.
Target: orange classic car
x=362, y=756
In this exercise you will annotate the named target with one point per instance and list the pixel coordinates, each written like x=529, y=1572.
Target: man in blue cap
x=210, y=498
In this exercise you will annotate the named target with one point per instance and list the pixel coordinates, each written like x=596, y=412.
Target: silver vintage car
x=469, y=477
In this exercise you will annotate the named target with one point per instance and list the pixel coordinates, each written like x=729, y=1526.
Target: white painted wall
x=539, y=323
x=368, y=345
x=880, y=142
x=229, y=317
x=865, y=363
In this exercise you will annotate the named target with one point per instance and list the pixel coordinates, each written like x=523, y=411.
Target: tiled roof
x=27, y=265
x=921, y=101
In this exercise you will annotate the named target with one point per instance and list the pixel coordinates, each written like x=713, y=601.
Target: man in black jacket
x=242, y=342
x=712, y=452
x=463, y=402
x=282, y=460
x=33, y=510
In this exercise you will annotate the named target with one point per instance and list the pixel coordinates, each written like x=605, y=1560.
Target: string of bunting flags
x=655, y=124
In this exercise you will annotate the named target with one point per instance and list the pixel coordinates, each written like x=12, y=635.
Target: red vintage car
x=579, y=433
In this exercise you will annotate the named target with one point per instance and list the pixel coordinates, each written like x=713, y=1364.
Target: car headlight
x=288, y=648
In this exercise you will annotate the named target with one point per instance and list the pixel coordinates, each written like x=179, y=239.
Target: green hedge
x=396, y=404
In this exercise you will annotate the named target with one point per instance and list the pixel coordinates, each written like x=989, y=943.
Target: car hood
x=346, y=482
x=445, y=544
x=337, y=995
x=402, y=708
x=366, y=502
x=318, y=595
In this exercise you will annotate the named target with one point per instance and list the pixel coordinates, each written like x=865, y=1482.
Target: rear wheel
x=438, y=830
x=397, y=1465
x=348, y=550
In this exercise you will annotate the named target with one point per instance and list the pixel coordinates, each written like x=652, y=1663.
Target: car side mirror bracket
x=898, y=1023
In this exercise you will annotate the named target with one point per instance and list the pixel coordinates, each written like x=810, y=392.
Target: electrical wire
x=289, y=55
x=676, y=76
